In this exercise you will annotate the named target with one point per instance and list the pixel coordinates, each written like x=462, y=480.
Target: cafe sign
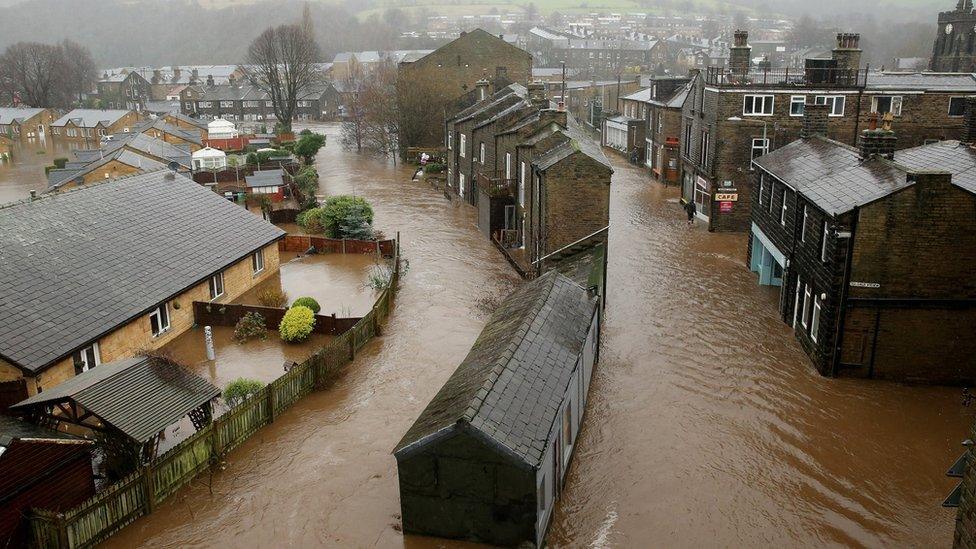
x=727, y=197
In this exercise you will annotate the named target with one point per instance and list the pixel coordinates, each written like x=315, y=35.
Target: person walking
x=691, y=208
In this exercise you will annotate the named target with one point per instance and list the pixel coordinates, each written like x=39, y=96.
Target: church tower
x=955, y=44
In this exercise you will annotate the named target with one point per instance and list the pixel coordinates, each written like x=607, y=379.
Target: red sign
x=725, y=207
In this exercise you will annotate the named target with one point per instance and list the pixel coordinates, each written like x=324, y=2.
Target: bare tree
x=30, y=72
x=79, y=70
x=281, y=62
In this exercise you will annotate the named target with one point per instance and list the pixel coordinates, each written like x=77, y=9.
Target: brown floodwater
x=706, y=424
x=24, y=171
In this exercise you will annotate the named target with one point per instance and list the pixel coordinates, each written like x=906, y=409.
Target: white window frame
x=450, y=141
x=462, y=142
x=762, y=187
x=832, y=100
x=705, y=143
x=772, y=195
x=815, y=321
x=796, y=300
x=957, y=98
x=257, y=261
x=803, y=227
x=823, y=242
x=807, y=292
x=461, y=185
x=481, y=152
x=96, y=357
x=213, y=283
x=893, y=101
x=508, y=165
x=522, y=185
x=763, y=146
x=782, y=211
x=800, y=100
x=763, y=101
x=161, y=313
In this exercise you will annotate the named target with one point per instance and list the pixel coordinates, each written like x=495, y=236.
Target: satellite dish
x=174, y=165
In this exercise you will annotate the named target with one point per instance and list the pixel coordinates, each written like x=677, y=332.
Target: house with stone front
x=663, y=134
x=124, y=90
x=25, y=123
x=486, y=459
x=452, y=71
x=111, y=270
x=85, y=128
x=129, y=154
x=873, y=250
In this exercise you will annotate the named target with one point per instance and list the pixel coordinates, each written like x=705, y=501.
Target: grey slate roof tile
x=77, y=264
x=512, y=381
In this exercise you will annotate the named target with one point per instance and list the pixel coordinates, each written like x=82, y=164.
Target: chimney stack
x=740, y=56
x=814, y=120
x=847, y=53
x=547, y=116
x=482, y=87
x=537, y=95
x=969, y=124
x=877, y=143
x=157, y=76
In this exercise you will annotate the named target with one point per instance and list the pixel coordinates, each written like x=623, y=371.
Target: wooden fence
x=300, y=243
x=139, y=493
x=220, y=314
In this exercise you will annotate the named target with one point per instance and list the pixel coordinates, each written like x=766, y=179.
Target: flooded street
x=706, y=423
x=24, y=172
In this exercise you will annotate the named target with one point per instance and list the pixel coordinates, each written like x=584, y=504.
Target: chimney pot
x=33, y=194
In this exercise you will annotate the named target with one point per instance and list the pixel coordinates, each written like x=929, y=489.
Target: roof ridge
x=94, y=184
x=472, y=409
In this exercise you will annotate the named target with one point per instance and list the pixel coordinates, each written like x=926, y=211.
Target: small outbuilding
x=266, y=182
x=209, y=158
x=222, y=129
x=485, y=461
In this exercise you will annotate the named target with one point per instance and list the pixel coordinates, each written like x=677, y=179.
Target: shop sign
x=865, y=284
x=725, y=207
x=727, y=197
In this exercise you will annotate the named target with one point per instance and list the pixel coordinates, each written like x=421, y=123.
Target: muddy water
x=24, y=171
x=706, y=425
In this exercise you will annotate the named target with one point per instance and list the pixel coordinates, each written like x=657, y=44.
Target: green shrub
x=308, y=146
x=273, y=297
x=434, y=167
x=297, y=324
x=346, y=216
x=307, y=302
x=307, y=181
x=310, y=221
x=251, y=159
x=250, y=326
x=240, y=389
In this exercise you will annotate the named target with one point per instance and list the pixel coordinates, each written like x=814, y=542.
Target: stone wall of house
x=135, y=336
x=576, y=200
x=460, y=488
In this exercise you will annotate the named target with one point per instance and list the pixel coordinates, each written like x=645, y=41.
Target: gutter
x=844, y=291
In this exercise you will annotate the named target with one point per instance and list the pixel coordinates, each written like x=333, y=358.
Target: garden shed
x=134, y=399
x=209, y=158
x=486, y=459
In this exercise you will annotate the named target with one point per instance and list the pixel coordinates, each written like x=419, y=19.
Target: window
x=542, y=495
x=87, y=358
x=521, y=191
x=462, y=143
x=806, y=306
x=762, y=187
x=461, y=185
x=835, y=102
x=450, y=141
x=803, y=227
x=957, y=106
x=797, y=105
x=568, y=424
x=760, y=146
x=159, y=319
x=508, y=165
x=688, y=139
x=216, y=286
x=257, y=261
x=782, y=211
x=757, y=105
x=883, y=104
x=815, y=322
x=704, y=149
x=796, y=300
x=823, y=243
x=481, y=152
x=772, y=195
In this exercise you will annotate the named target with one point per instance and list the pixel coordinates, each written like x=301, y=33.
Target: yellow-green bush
x=297, y=324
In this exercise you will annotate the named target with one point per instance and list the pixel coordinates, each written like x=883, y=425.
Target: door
x=703, y=198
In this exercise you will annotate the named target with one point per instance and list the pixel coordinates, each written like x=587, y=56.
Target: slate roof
x=512, y=382
x=576, y=142
x=834, y=177
x=12, y=429
x=9, y=115
x=73, y=170
x=640, y=95
x=89, y=118
x=139, y=396
x=509, y=94
x=78, y=264
x=927, y=81
x=160, y=124
x=265, y=178
x=188, y=119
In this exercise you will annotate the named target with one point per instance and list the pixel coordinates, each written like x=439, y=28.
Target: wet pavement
x=706, y=424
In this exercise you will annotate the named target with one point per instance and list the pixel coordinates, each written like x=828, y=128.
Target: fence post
x=149, y=484
x=343, y=245
x=62, y=526
x=271, y=403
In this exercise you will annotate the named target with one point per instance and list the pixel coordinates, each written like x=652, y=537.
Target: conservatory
x=209, y=158
x=222, y=129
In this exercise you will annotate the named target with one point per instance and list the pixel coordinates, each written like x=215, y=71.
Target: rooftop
x=9, y=115
x=512, y=382
x=89, y=118
x=78, y=264
x=921, y=81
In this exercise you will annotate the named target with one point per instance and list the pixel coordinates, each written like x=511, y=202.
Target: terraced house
x=248, y=102
x=25, y=123
x=874, y=251
x=735, y=114
x=111, y=270
x=86, y=127
x=130, y=154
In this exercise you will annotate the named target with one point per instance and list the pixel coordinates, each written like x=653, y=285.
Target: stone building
x=733, y=115
x=85, y=128
x=447, y=78
x=122, y=278
x=487, y=457
x=538, y=182
x=874, y=251
x=25, y=123
x=954, y=49
x=663, y=133
x=595, y=56
x=245, y=102
x=124, y=90
x=130, y=153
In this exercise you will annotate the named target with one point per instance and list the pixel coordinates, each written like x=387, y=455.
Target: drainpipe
x=842, y=306
x=860, y=95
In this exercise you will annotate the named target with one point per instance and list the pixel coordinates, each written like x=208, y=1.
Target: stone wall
x=577, y=200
